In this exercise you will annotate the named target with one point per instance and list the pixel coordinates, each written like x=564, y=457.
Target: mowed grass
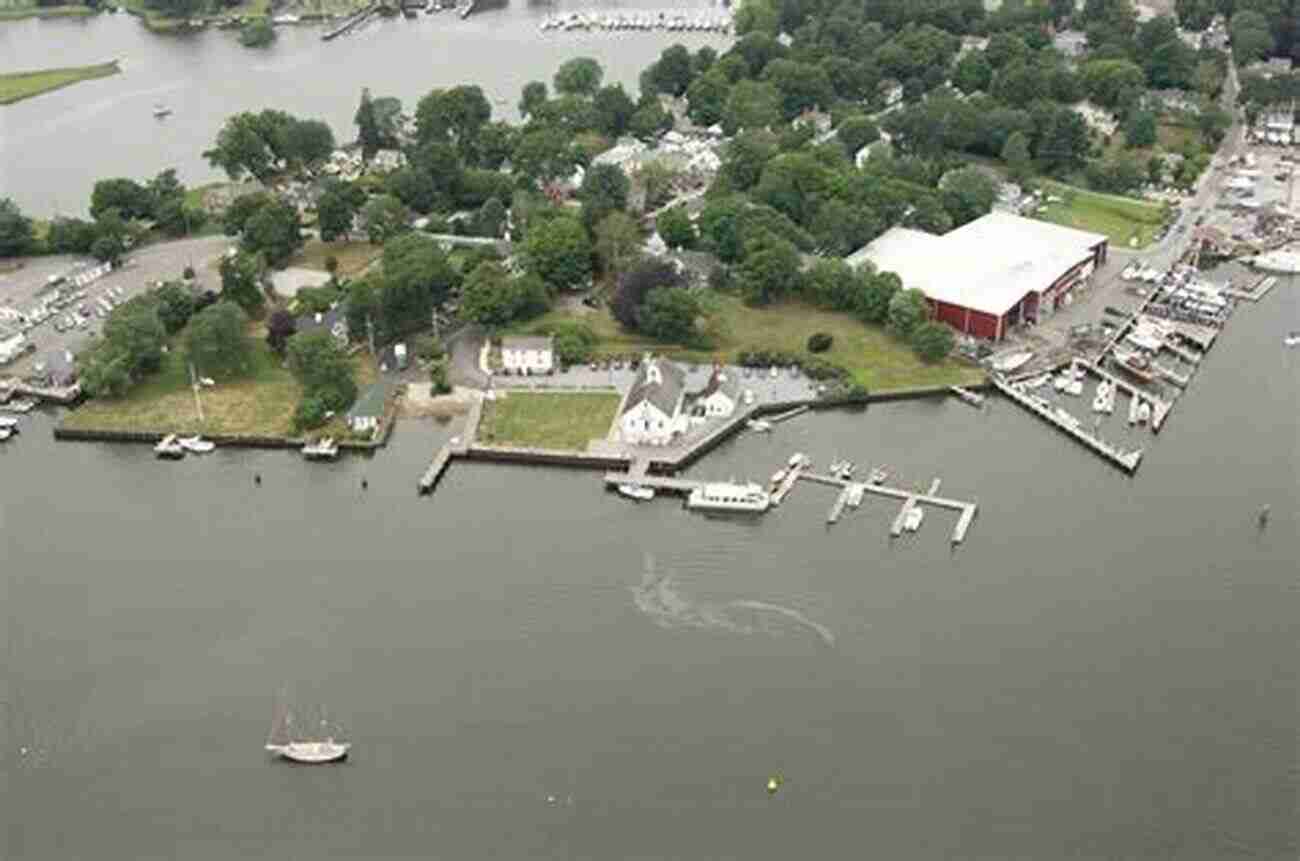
x=353, y=257
x=873, y=357
x=1122, y=219
x=565, y=421
x=16, y=86
x=13, y=10
x=259, y=404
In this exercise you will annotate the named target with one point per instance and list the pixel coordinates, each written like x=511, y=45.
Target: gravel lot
x=26, y=288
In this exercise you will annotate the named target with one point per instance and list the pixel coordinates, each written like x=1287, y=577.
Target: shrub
x=438, y=377
x=932, y=341
x=820, y=342
x=574, y=342
x=188, y=273
x=310, y=413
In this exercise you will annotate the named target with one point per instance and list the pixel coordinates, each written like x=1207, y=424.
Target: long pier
x=351, y=24
x=1127, y=461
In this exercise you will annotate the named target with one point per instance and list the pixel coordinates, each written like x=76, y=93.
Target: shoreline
x=19, y=86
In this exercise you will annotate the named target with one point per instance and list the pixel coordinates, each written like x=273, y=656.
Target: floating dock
x=1257, y=291
x=910, y=499
x=1159, y=408
x=787, y=483
x=788, y=414
x=838, y=508
x=429, y=480
x=1127, y=461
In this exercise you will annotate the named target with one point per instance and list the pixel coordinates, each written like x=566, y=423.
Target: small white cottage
x=652, y=413
x=528, y=355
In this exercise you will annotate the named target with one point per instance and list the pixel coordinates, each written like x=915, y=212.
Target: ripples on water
x=659, y=597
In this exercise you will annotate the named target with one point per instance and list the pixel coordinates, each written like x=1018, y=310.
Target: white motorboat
x=728, y=496
x=778, y=476
x=914, y=517
x=797, y=458
x=1036, y=382
x=5, y=433
x=1143, y=412
x=856, y=493
x=1074, y=387
x=748, y=397
x=878, y=475
x=1292, y=340
x=197, y=444
x=8, y=421
x=312, y=752
x=323, y=449
x=160, y=110
x=636, y=491
x=22, y=405
x=169, y=447
x=758, y=425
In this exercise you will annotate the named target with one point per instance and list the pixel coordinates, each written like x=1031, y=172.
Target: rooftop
x=987, y=265
x=527, y=342
x=371, y=402
x=665, y=393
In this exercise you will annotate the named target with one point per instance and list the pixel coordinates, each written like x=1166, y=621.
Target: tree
x=580, y=76
x=881, y=289
x=855, y=133
x=751, y=105
x=770, y=269
x=111, y=237
x=635, y=285
x=707, y=99
x=675, y=227
x=907, y=310
x=532, y=97
x=368, y=134
x=669, y=314
x=973, y=73
x=558, y=251
x=65, y=236
x=932, y=341
x=308, y=142
x=490, y=220
x=337, y=209
x=802, y=86
x=657, y=178
x=1140, y=129
x=672, y=72
x=241, y=280
x=384, y=217
x=1251, y=37
x=241, y=209
x=493, y=298
x=175, y=306
x=323, y=369
x=134, y=330
x=414, y=188
x=257, y=33
x=614, y=109
x=574, y=342
x=279, y=329
x=15, y=230
x=452, y=116
x=215, y=342
x=618, y=239
x=744, y=158
x=274, y=232
x=650, y=119
x=604, y=190
x=1016, y=155
x=128, y=197
x=362, y=305
x=417, y=276
x=241, y=148
x=1065, y=142
x=968, y=193
x=543, y=154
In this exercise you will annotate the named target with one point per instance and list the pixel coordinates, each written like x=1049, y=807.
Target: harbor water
x=49, y=167
x=532, y=667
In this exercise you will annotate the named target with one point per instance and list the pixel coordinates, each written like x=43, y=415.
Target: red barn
x=991, y=274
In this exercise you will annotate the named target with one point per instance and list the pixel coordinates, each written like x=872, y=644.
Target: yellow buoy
x=774, y=783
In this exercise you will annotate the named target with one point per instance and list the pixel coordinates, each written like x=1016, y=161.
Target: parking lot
x=28, y=289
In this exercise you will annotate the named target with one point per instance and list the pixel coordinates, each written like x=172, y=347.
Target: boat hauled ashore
x=322, y=449
x=727, y=496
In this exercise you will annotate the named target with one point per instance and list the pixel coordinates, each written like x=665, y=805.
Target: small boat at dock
x=758, y=425
x=914, y=517
x=1007, y=364
x=729, y=496
x=6, y=432
x=637, y=492
x=197, y=444
x=323, y=449
x=160, y=110
x=878, y=475
x=22, y=405
x=1292, y=339
x=778, y=476
x=8, y=421
x=1143, y=412
x=169, y=447
x=798, y=458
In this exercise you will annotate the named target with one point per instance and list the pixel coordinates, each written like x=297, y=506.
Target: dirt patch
x=420, y=402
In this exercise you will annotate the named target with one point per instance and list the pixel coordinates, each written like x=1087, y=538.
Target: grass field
x=1120, y=218
x=353, y=257
x=16, y=11
x=873, y=358
x=539, y=420
x=16, y=86
x=261, y=404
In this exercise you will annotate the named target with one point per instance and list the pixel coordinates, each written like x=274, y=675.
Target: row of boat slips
x=672, y=20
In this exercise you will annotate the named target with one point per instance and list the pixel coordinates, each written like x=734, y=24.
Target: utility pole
x=370, y=333
x=194, y=383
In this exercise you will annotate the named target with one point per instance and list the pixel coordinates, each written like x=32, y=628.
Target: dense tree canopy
x=216, y=343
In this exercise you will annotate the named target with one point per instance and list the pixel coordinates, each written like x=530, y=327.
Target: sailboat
x=319, y=748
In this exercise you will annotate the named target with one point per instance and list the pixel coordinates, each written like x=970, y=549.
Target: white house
x=524, y=355
x=652, y=413
x=12, y=343
x=720, y=397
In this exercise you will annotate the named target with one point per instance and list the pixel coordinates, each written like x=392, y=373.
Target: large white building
x=993, y=273
x=652, y=413
x=528, y=355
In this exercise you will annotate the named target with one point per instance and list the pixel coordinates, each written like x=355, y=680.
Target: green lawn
x=261, y=404
x=873, y=358
x=353, y=257
x=16, y=86
x=16, y=10
x=1120, y=218
x=541, y=420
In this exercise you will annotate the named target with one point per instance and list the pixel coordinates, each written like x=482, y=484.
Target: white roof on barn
x=987, y=265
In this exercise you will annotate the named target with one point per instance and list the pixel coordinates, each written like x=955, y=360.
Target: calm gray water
x=53, y=148
x=1107, y=669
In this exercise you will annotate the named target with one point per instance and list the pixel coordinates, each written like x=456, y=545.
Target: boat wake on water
x=658, y=597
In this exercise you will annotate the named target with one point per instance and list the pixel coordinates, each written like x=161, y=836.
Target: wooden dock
x=429, y=480
x=896, y=529
x=838, y=508
x=788, y=414
x=1257, y=291
x=660, y=483
x=1127, y=461
x=787, y=483
x=1159, y=408
x=458, y=448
